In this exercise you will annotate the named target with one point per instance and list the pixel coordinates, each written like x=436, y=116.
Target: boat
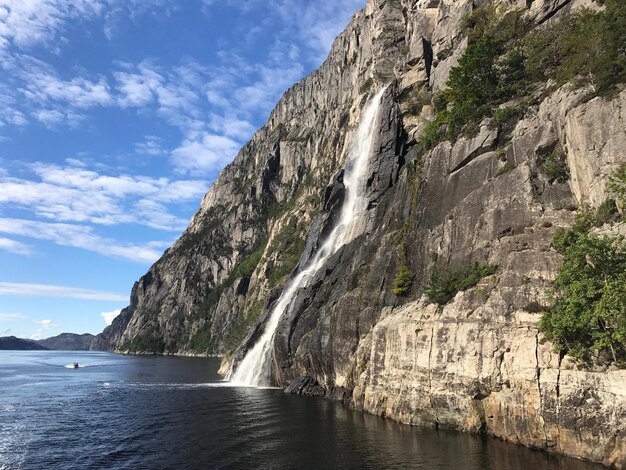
x=75, y=365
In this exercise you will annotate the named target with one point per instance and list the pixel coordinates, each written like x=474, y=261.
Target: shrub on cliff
x=202, y=341
x=486, y=75
x=616, y=186
x=504, y=60
x=445, y=281
x=586, y=46
x=403, y=282
x=555, y=168
x=588, y=314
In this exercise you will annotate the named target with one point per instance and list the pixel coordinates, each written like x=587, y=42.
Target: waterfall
x=255, y=364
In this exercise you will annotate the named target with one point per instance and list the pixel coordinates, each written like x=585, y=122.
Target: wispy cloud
x=12, y=316
x=44, y=88
x=46, y=290
x=80, y=236
x=43, y=330
x=314, y=24
x=152, y=145
x=207, y=103
x=77, y=194
x=28, y=23
x=206, y=152
x=13, y=246
x=9, y=112
x=110, y=316
x=46, y=324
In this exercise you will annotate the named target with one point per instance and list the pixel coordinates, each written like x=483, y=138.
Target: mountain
x=11, y=343
x=68, y=342
x=495, y=184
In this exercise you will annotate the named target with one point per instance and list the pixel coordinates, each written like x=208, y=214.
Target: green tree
x=616, y=186
x=473, y=83
x=588, y=313
x=445, y=281
x=403, y=282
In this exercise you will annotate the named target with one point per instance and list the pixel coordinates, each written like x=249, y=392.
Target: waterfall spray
x=254, y=368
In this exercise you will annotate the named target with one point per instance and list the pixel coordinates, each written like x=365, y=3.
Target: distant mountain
x=18, y=344
x=68, y=342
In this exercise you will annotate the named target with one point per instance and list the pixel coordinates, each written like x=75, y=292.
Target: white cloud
x=137, y=88
x=77, y=194
x=44, y=88
x=53, y=118
x=50, y=117
x=9, y=114
x=272, y=81
x=46, y=290
x=182, y=190
x=231, y=126
x=208, y=152
x=176, y=93
x=46, y=324
x=75, y=162
x=152, y=145
x=315, y=24
x=13, y=246
x=11, y=316
x=79, y=236
x=110, y=316
x=26, y=23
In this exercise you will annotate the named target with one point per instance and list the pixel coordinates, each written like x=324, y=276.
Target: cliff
x=477, y=363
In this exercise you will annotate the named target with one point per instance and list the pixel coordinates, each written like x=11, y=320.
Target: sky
x=115, y=118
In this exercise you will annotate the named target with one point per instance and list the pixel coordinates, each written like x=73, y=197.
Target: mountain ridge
x=12, y=343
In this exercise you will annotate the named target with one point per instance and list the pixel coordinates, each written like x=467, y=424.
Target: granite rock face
x=478, y=364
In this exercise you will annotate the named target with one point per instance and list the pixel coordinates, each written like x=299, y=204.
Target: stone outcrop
x=478, y=364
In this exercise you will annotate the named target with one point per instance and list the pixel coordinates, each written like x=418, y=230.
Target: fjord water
x=254, y=368
x=126, y=412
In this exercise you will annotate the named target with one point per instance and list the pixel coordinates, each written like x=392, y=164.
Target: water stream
x=254, y=369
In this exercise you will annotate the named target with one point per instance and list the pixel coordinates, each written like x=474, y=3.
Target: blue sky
x=115, y=118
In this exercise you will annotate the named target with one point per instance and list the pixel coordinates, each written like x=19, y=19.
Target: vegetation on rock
x=445, y=282
x=587, y=317
x=504, y=61
x=201, y=342
x=555, y=168
x=504, y=169
x=403, y=282
x=587, y=47
x=241, y=328
x=144, y=344
x=289, y=243
x=534, y=307
x=616, y=186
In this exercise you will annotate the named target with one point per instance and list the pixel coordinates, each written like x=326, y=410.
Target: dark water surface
x=123, y=412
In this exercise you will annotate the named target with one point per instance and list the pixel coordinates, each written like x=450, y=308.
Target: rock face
x=68, y=342
x=479, y=363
